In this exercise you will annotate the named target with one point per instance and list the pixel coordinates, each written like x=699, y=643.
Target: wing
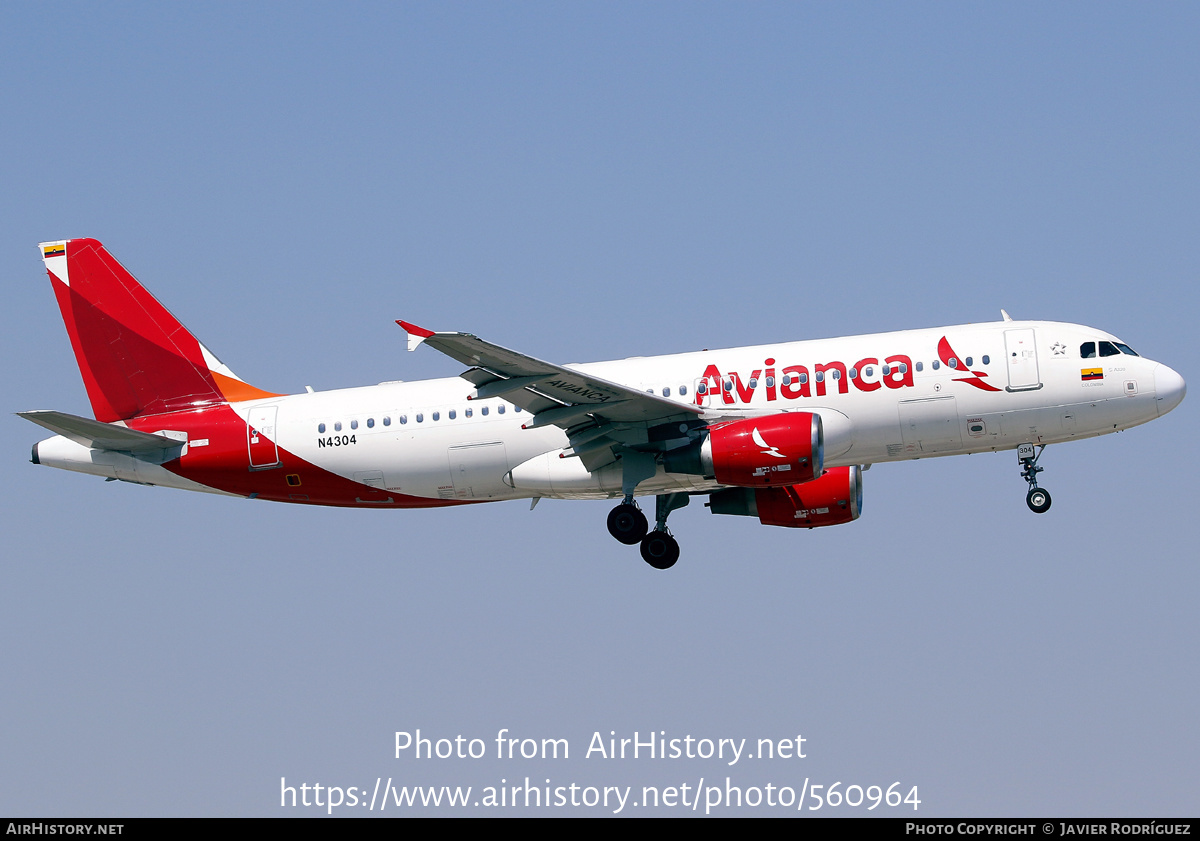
x=596, y=413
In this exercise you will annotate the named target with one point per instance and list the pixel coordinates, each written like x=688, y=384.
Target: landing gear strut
x=659, y=548
x=1038, y=499
x=628, y=524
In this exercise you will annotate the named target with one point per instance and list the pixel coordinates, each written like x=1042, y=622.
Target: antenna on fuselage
x=1006, y=316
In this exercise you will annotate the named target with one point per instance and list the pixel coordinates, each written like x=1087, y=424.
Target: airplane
x=781, y=432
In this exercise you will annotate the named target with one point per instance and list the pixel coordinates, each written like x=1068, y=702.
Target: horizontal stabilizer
x=99, y=435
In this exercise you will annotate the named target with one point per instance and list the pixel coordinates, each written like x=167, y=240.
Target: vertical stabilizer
x=135, y=357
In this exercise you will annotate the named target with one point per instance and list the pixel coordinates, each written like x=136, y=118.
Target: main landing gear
x=1038, y=499
x=628, y=524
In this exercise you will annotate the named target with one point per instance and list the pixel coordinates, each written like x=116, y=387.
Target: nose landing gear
x=1038, y=499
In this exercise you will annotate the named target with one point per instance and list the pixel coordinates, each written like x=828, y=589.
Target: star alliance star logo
x=1058, y=348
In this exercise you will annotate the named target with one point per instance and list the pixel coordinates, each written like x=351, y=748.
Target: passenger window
x=469, y=411
x=321, y=428
x=1109, y=349
x=869, y=371
x=666, y=391
x=803, y=379
x=483, y=410
x=500, y=409
x=936, y=364
x=887, y=369
x=387, y=420
x=970, y=361
x=337, y=426
x=1088, y=350
x=753, y=382
x=436, y=416
x=837, y=375
x=370, y=423
x=453, y=414
x=953, y=363
x=404, y=419
x=820, y=376
x=920, y=367
x=354, y=424
x=986, y=360
x=853, y=373
x=702, y=388
x=420, y=417
x=682, y=390
x=770, y=382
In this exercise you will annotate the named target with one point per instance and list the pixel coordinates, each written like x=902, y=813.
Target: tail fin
x=135, y=357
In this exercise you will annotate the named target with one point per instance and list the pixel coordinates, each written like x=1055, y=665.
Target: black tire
x=660, y=550
x=627, y=524
x=1038, y=500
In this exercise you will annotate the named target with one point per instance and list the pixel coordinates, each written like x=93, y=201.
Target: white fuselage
x=429, y=439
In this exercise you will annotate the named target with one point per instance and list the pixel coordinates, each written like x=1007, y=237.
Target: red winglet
x=414, y=329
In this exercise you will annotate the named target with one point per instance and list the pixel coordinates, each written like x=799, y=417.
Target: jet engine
x=782, y=449
x=834, y=498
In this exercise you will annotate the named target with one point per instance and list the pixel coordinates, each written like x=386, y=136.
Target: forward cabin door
x=1022, y=360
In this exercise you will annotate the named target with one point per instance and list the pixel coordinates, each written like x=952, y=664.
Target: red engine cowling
x=833, y=499
x=783, y=449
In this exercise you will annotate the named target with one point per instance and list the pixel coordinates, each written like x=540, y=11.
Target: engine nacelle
x=783, y=449
x=833, y=499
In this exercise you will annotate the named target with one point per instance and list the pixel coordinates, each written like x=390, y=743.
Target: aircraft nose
x=1169, y=389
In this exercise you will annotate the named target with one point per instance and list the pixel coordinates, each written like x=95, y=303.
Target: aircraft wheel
x=1038, y=500
x=627, y=524
x=660, y=550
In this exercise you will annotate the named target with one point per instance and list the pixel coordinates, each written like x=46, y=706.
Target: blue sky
x=582, y=182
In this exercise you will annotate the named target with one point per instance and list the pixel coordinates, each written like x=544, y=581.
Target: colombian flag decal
x=1091, y=374
x=55, y=250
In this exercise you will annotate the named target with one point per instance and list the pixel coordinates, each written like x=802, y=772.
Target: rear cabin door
x=260, y=437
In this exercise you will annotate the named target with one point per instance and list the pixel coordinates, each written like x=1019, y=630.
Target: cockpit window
x=1087, y=350
x=1126, y=349
x=1109, y=349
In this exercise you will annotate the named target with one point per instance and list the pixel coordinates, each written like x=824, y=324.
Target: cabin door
x=261, y=437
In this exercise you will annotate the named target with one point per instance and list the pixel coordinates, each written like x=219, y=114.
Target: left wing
x=596, y=413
